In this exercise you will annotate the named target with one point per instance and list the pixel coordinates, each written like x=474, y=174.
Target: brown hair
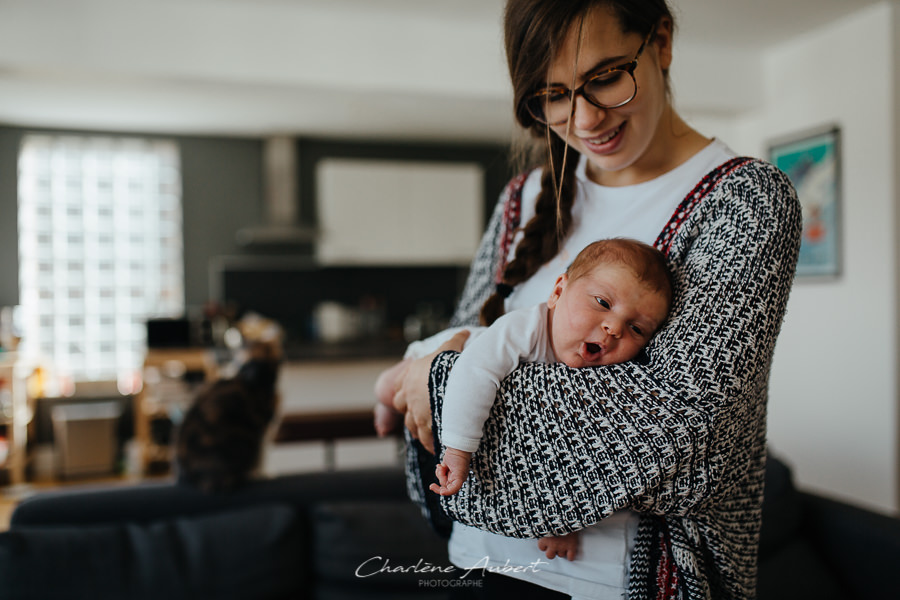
x=646, y=262
x=533, y=30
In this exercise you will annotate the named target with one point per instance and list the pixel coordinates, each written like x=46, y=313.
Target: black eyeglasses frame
x=628, y=68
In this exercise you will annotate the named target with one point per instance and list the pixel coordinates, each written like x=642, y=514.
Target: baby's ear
x=558, y=288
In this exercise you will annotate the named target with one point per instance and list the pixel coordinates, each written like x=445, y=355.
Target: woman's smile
x=606, y=142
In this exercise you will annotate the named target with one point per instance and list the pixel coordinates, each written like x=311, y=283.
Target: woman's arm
x=565, y=448
x=412, y=397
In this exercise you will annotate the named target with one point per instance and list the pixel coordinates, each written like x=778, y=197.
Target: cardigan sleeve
x=563, y=448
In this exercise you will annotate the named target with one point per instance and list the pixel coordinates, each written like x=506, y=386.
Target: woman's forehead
x=599, y=40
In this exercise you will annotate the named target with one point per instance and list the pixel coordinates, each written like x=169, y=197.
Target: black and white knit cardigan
x=681, y=438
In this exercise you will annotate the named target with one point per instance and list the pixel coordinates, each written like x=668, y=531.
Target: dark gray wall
x=222, y=187
x=9, y=250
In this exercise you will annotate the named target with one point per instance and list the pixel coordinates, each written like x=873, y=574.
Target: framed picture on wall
x=812, y=161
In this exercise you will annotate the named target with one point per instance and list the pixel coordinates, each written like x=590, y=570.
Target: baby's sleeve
x=487, y=360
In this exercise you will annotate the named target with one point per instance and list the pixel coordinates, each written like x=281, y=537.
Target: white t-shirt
x=638, y=211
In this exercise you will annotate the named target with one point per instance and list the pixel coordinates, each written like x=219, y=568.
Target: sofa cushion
x=782, y=509
x=365, y=548
x=795, y=570
x=861, y=547
x=247, y=553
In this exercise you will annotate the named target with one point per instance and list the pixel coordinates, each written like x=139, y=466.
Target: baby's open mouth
x=592, y=351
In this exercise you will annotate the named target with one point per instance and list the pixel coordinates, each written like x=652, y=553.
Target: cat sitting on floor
x=219, y=442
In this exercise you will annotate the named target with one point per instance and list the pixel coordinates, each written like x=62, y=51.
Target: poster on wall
x=812, y=162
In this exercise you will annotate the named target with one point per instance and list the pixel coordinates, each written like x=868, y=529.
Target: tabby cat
x=219, y=442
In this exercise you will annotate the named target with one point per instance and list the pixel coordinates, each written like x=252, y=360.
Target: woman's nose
x=586, y=116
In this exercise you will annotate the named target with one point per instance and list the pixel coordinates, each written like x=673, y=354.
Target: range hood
x=280, y=202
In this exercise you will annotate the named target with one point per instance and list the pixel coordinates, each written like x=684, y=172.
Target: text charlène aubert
x=378, y=565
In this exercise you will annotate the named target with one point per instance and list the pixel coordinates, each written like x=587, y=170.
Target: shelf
x=148, y=407
x=12, y=391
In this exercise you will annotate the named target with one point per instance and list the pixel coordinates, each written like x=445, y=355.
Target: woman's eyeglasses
x=608, y=89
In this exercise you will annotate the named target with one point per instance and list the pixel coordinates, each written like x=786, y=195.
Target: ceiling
x=345, y=68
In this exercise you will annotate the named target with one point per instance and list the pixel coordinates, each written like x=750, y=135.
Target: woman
x=662, y=460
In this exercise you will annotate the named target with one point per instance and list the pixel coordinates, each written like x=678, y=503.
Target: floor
x=6, y=508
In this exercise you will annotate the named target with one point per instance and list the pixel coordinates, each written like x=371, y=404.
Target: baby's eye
x=602, y=302
x=637, y=330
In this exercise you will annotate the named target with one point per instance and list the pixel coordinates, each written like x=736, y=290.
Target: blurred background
x=174, y=171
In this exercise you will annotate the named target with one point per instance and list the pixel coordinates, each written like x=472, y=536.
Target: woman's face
x=623, y=145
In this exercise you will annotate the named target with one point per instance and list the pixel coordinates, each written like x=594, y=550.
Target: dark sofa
x=353, y=534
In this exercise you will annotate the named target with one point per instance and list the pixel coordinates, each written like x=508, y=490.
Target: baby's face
x=604, y=317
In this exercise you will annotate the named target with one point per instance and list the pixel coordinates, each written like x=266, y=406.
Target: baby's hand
x=564, y=546
x=451, y=473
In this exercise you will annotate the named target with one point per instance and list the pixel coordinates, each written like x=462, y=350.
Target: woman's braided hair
x=543, y=232
x=533, y=30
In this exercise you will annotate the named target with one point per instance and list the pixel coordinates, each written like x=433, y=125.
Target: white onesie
x=491, y=353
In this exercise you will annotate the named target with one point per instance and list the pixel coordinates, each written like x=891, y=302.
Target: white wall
x=834, y=394
x=895, y=52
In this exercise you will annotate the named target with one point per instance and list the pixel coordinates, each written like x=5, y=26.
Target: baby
x=612, y=299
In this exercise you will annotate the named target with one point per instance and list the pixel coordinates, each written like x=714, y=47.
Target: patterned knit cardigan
x=679, y=438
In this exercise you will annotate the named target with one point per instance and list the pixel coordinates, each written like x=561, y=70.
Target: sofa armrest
x=861, y=547
x=249, y=553
x=147, y=502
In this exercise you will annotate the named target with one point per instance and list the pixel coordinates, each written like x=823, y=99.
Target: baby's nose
x=612, y=327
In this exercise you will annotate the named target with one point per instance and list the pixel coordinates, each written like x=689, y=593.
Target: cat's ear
x=268, y=350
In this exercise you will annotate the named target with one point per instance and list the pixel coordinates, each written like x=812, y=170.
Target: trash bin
x=86, y=439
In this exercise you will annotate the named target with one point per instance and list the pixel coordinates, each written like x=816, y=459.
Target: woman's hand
x=411, y=397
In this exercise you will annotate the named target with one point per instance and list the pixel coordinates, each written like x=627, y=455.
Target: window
x=100, y=251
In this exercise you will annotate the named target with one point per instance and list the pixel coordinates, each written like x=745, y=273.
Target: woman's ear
x=558, y=288
x=662, y=40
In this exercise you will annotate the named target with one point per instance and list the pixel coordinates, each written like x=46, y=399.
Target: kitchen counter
x=329, y=385
x=352, y=351
x=326, y=417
